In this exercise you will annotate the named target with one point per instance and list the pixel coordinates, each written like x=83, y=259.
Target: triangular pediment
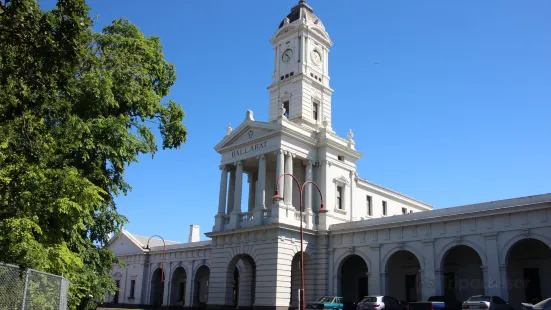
x=341, y=180
x=246, y=133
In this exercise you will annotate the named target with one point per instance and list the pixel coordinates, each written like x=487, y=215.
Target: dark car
x=436, y=303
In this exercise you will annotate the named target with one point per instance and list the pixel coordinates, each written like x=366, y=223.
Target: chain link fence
x=31, y=289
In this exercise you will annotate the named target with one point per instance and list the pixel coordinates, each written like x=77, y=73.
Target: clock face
x=316, y=57
x=287, y=55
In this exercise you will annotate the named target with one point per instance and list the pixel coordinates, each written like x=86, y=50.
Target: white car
x=543, y=305
x=486, y=303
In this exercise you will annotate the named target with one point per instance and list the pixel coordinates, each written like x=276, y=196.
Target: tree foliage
x=76, y=107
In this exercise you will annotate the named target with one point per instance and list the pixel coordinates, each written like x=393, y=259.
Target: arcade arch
x=201, y=289
x=241, y=277
x=308, y=279
x=178, y=287
x=353, y=279
x=157, y=288
x=462, y=274
x=403, y=271
x=528, y=266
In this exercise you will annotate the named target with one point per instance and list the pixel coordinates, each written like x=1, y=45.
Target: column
x=288, y=193
x=308, y=188
x=223, y=190
x=492, y=276
x=238, y=191
x=504, y=282
x=235, y=215
x=231, y=191
x=166, y=284
x=252, y=191
x=374, y=285
x=428, y=280
x=279, y=169
x=350, y=201
x=261, y=184
x=260, y=206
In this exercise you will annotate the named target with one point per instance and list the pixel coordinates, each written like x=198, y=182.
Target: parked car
x=542, y=305
x=436, y=302
x=326, y=302
x=380, y=303
x=487, y=303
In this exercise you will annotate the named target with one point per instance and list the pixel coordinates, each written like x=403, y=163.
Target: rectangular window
x=339, y=198
x=369, y=207
x=384, y=207
x=315, y=107
x=404, y=211
x=286, y=107
x=132, y=288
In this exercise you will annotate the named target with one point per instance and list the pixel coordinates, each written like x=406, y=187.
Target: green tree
x=76, y=108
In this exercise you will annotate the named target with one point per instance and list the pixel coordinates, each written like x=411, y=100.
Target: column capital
x=490, y=236
x=261, y=157
x=278, y=152
x=238, y=163
x=428, y=242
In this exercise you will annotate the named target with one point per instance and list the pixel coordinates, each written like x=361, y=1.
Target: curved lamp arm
x=276, y=195
x=322, y=208
x=163, y=260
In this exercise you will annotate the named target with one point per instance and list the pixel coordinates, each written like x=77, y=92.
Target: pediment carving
x=245, y=135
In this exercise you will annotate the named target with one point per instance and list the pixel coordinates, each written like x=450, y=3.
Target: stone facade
x=359, y=238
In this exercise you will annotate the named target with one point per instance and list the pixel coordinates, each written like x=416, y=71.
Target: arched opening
x=403, y=272
x=201, y=290
x=353, y=280
x=308, y=279
x=157, y=288
x=178, y=287
x=528, y=270
x=241, y=275
x=462, y=275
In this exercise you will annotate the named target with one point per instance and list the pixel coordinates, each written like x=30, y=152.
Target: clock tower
x=300, y=89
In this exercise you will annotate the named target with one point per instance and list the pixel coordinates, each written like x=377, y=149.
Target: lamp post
x=162, y=260
x=277, y=197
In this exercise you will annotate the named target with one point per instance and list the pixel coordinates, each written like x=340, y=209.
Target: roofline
x=423, y=204
x=499, y=206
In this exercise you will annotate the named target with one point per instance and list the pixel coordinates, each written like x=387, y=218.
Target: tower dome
x=302, y=12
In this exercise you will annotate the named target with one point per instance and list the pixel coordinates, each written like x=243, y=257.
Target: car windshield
x=541, y=304
x=325, y=299
x=438, y=298
x=369, y=299
x=479, y=298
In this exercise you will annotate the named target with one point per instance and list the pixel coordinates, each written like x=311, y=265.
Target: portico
x=261, y=167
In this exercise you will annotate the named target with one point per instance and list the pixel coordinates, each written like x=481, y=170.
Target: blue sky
x=457, y=112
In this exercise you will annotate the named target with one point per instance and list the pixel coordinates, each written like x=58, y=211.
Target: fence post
x=25, y=289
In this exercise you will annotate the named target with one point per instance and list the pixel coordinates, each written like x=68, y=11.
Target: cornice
x=403, y=221
x=261, y=227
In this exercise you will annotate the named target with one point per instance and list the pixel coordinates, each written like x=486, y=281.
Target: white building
x=364, y=238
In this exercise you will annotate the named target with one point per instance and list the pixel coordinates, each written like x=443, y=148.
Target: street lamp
x=277, y=197
x=162, y=260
